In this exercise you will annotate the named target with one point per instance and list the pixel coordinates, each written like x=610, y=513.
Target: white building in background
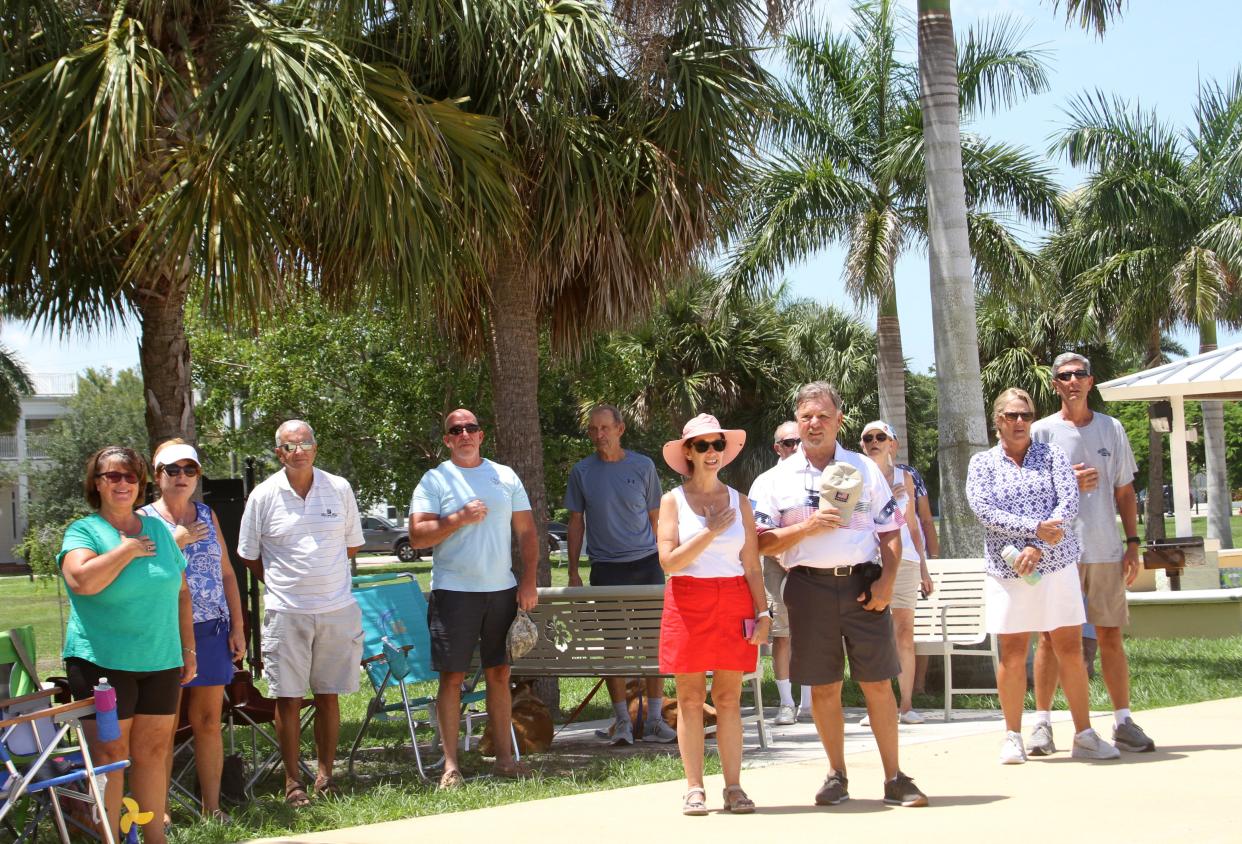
x=22, y=449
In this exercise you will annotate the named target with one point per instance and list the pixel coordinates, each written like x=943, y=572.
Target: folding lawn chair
x=246, y=707
x=396, y=652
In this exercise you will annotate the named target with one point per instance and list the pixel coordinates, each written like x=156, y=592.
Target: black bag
x=868, y=573
x=233, y=779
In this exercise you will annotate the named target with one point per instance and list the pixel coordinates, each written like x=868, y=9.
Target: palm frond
x=1091, y=14
x=995, y=70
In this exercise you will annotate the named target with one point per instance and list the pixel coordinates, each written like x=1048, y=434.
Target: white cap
x=878, y=425
x=172, y=453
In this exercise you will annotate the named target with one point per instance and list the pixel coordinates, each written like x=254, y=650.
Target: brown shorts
x=826, y=621
x=1104, y=586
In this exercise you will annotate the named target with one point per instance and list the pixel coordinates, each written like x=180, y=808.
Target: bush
x=40, y=546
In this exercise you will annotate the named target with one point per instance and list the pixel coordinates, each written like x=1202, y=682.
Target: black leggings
x=137, y=692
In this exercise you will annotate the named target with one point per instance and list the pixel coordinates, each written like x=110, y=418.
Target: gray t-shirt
x=615, y=499
x=1103, y=445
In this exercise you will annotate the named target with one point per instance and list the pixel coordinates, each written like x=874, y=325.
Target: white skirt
x=1014, y=606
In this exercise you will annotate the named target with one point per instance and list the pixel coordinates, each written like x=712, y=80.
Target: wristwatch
x=1133, y=540
x=770, y=612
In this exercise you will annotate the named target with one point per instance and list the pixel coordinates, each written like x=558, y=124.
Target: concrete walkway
x=1186, y=791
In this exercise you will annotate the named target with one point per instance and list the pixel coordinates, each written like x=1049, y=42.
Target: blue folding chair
x=396, y=653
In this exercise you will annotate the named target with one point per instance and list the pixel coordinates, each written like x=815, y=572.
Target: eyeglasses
x=289, y=448
x=1015, y=415
x=470, y=428
x=880, y=437
x=1080, y=374
x=789, y=443
x=118, y=477
x=701, y=446
x=175, y=471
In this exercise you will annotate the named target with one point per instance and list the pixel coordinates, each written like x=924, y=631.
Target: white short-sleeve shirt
x=303, y=542
x=788, y=494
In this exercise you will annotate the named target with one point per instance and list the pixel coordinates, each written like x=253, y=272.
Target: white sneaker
x=1011, y=752
x=1089, y=745
x=912, y=717
x=1040, y=743
x=865, y=721
x=785, y=715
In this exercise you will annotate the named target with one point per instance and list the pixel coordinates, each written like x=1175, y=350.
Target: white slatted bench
x=608, y=631
x=951, y=622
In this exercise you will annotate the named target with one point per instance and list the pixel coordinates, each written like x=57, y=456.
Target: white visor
x=173, y=453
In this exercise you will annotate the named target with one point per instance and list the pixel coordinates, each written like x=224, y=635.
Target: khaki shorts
x=317, y=651
x=774, y=575
x=906, y=586
x=1104, y=586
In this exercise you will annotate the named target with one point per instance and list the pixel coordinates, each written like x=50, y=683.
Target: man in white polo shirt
x=302, y=525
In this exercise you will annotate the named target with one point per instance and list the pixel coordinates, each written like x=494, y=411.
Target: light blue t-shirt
x=615, y=499
x=474, y=558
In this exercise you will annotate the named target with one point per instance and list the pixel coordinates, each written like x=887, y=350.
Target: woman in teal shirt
x=130, y=621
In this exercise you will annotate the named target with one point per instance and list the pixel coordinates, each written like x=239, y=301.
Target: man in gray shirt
x=613, y=497
x=1104, y=464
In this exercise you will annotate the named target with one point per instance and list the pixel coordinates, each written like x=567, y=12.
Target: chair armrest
x=42, y=693
x=50, y=712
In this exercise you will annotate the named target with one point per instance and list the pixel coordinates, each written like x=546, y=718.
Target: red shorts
x=701, y=629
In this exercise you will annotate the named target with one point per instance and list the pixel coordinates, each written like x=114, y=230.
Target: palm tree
x=1156, y=239
x=147, y=146
x=15, y=382
x=849, y=167
x=627, y=126
x=963, y=430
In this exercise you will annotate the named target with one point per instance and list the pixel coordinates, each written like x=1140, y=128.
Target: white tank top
x=723, y=557
x=908, y=551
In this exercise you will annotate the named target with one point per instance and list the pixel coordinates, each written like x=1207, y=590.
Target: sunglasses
x=118, y=477
x=1080, y=374
x=1015, y=415
x=470, y=428
x=880, y=437
x=175, y=471
x=289, y=448
x=701, y=446
x=789, y=443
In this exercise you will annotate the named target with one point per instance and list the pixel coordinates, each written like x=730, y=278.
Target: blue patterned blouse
x=1011, y=500
x=202, y=571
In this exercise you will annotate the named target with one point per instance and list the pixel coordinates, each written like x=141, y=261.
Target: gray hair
x=817, y=390
x=289, y=425
x=776, y=435
x=1070, y=357
x=607, y=408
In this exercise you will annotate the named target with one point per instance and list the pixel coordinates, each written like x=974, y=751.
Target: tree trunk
x=513, y=352
x=164, y=353
x=891, y=372
x=1220, y=496
x=1155, y=454
x=960, y=418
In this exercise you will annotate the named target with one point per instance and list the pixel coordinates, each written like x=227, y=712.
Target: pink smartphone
x=748, y=628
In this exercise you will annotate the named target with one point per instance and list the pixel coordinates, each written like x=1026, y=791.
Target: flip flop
x=296, y=796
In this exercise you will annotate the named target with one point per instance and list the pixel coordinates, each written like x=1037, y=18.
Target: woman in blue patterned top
x=1026, y=496
x=219, y=634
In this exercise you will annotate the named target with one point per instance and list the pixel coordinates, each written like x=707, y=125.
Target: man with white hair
x=300, y=530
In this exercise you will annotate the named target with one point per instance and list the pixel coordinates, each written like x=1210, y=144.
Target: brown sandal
x=326, y=787
x=736, y=802
x=695, y=801
x=512, y=771
x=296, y=796
x=451, y=780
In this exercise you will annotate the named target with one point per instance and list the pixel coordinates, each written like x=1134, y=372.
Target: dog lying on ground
x=636, y=690
x=531, y=721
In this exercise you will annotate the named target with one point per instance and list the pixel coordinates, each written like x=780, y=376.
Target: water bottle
x=105, y=711
x=1010, y=555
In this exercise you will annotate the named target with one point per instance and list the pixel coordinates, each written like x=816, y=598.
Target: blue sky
x=1156, y=55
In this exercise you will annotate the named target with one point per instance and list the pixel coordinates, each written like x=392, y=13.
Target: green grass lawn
x=1165, y=673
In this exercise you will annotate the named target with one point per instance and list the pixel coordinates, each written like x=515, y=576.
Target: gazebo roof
x=1211, y=375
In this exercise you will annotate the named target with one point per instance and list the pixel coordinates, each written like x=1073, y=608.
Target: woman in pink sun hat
x=715, y=611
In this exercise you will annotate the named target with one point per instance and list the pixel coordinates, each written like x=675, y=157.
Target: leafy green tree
x=248, y=146
x=14, y=383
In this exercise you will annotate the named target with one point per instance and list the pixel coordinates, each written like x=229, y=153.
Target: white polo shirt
x=788, y=494
x=302, y=542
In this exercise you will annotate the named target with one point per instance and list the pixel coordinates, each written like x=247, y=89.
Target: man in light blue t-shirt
x=613, y=497
x=466, y=510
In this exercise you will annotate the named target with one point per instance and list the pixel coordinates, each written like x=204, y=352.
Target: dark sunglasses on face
x=117, y=477
x=176, y=471
x=470, y=428
x=880, y=437
x=701, y=446
x=1015, y=415
x=1081, y=374
x=289, y=448
x=789, y=443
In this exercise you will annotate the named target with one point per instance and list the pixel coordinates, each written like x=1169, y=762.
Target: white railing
x=54, y=383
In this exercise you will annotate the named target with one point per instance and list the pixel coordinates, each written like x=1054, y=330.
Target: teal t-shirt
x=132, y=624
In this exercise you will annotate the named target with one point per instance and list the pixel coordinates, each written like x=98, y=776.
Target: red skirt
x=701, y=628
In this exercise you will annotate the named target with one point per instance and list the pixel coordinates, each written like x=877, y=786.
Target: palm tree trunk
x=1155, y=453
x=1220, y=496
x=960, y=418
x=164, y=354
x=891, y=372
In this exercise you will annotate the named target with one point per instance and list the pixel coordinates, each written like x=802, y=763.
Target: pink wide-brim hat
x=701, y=425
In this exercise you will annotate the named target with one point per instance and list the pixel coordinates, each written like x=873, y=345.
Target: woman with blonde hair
x=715, y=609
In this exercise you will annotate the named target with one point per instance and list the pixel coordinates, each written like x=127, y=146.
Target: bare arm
x=528, y=549
x=930, y=540
x=88, y=573
x=232, y=596
x=428, y=530
x=753, y=570
x=912, y=519
x=1127, y=508
x=185, y=620
x=577, y=529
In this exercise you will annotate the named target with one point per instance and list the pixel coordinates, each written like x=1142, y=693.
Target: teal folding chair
x=396, y=653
